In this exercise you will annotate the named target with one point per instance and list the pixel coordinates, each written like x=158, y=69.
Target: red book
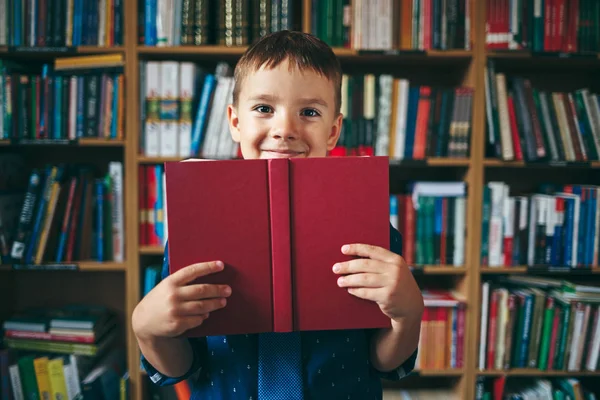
x=279, y=225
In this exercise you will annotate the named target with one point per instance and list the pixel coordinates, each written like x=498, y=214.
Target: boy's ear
x=234, y=123
x=334, y=134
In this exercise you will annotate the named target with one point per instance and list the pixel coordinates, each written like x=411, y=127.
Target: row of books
x=222, y=22
x=488, y=388
x=431, y=217
x=532, y=124
x=66, y=213
x=414, y=121
x=558, y=226
x=543, y=26
x=540, y=323
x=390, y=25
x=67, y=352
x=75, y=97
x=441, y=341
x=185, y=114
x=59, y=23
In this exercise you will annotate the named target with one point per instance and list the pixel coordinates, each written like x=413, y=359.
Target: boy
x=286, y=103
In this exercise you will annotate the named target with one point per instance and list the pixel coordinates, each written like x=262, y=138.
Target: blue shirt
x=335, y=363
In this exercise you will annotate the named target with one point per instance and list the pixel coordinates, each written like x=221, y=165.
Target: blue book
x=202, y=112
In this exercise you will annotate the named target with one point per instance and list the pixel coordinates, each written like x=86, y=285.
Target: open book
x=279, y=225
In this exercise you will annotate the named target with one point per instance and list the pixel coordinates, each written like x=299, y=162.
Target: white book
x=384, y=108
x=577, y=337
x=225, y=139
x=498, y=195
x=101, y=23
x=15, y=382
x=459, y=231
x=115, y=170
x=485, y=296
x=152, y=103
x=401, y=117
x=594, y=353
x=3, y=22
x=215, y=119
x=186, y=95
x=169, y=96
x=72, y=108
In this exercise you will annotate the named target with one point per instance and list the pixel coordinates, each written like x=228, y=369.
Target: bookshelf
x=119, y=284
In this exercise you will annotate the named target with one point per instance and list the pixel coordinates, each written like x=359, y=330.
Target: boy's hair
x=302, y=50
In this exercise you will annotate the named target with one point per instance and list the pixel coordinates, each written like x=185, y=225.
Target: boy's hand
x=174, y=306
x=383, y=277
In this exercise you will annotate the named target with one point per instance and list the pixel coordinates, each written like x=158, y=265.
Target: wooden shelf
x=191, y=50
x=341, y=52
x=151, y=250
x=157, y=160
x=536, y=373
x=541, y=270
x=503, y=270
x=431, y=162
x=495, y=163
x=51, y=52
x=83, y=142
x=438, y=270
x=545, y=60
x=89, y=266
x=440, y=372
x=525, y=54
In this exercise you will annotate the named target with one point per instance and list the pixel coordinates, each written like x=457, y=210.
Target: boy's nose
x=284, y=128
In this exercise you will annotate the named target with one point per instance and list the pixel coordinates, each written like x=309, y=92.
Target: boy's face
x=284, y=113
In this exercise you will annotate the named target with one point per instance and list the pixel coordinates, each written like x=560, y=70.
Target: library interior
x=470, y=128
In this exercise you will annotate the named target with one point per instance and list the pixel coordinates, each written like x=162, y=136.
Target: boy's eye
x=263, y=109
x=310, y=112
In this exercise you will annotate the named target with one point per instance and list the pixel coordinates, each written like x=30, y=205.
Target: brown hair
x=302, y=50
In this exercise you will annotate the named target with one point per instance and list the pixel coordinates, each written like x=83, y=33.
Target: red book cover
x=278, y=225
x=335, y=201
x=219, y=210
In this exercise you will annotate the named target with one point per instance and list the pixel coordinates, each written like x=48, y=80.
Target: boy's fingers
x=201, y=307
x=370, y=251
x=203, y=291
x=372, y=294
x=193, y=271
x=361, y=280
x=358, y=265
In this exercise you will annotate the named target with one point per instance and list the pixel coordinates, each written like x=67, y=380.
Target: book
x=279, y=226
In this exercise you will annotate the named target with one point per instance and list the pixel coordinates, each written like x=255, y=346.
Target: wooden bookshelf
x=91, y=266
x=475, y=170
x=538, y=373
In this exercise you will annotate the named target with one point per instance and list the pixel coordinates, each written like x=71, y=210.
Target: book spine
x=279, y=194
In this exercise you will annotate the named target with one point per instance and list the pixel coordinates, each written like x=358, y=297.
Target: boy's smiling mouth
x=282, y=153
